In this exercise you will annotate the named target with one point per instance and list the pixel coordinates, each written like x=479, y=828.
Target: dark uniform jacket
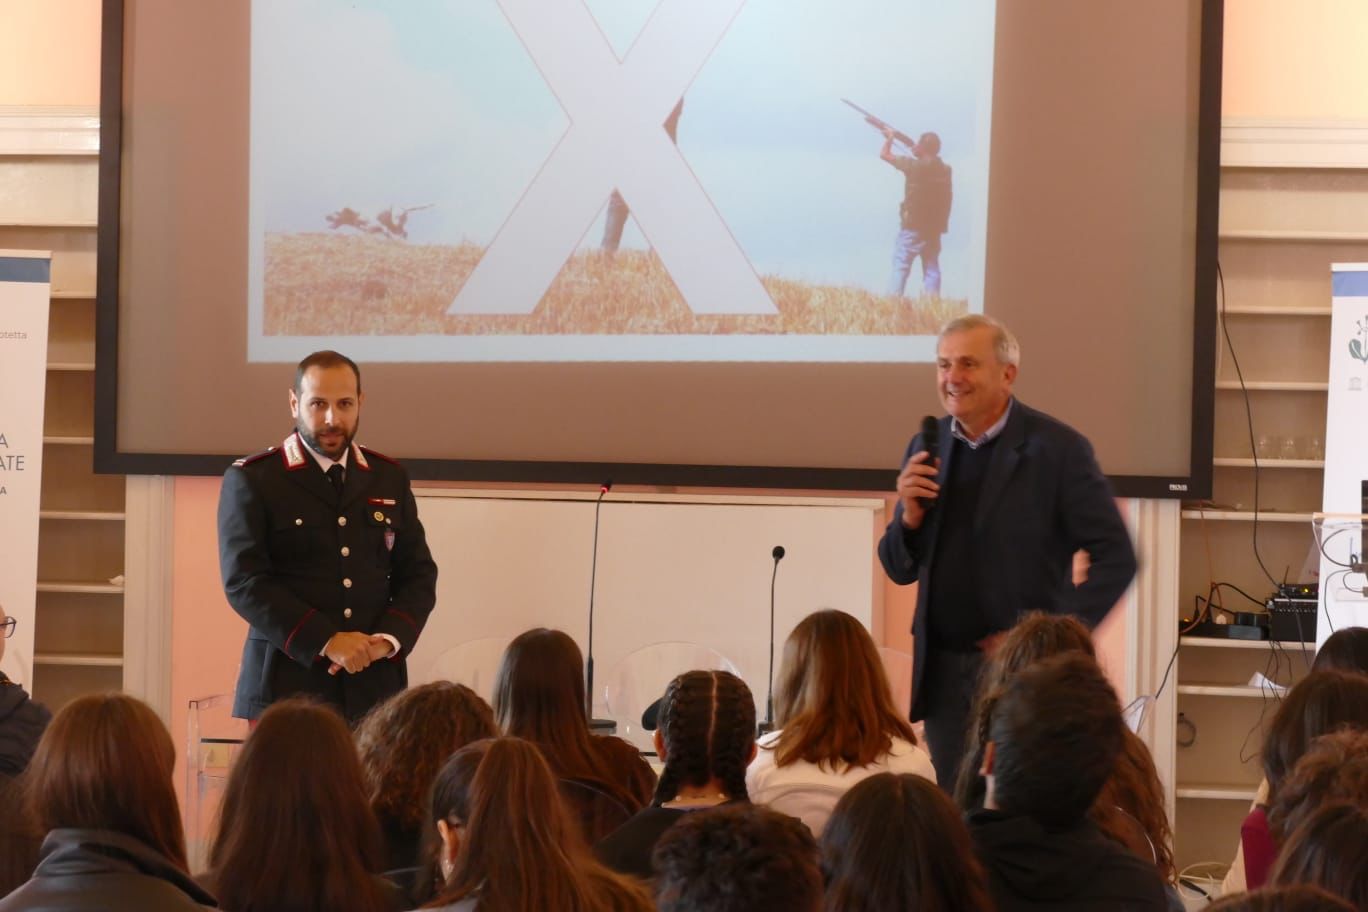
x=1043, y=499
x=300, y=563
x=105, y=871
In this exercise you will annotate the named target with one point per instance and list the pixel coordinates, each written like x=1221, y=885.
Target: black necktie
x=335, y=476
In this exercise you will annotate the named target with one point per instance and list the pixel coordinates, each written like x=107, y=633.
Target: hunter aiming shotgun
x=882, y=126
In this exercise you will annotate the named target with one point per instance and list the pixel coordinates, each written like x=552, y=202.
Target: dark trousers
x=948, y=688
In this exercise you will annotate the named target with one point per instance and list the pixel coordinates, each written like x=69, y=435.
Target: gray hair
x=1005, y=345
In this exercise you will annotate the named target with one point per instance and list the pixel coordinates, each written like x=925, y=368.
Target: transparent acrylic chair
x=473, y=663
x=1137, y=712
x=898, y=667
x=213, y=740
x=641, y=677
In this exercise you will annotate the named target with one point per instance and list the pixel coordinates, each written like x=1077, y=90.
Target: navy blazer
x=1044, y=498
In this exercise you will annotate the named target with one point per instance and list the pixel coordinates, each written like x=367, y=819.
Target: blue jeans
x=908, y=246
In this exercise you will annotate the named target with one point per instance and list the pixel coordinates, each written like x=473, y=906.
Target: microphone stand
x=767, y=726
x=598, y=726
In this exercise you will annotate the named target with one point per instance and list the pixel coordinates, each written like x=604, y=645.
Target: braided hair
x=707, y=719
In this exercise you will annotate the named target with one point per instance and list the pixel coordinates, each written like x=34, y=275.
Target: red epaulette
x=255, y=457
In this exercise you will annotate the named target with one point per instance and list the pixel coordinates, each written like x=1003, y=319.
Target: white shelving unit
x=1281, y=229
x=78, y=636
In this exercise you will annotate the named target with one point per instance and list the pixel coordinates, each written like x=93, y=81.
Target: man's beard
x=311, y=441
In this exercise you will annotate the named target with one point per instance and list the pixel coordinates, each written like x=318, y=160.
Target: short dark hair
x=1056, y=731
x=737, y=858
x=930, y=142
x=1328, y=850
x=1320, y=703
x=896, y=841
x=325, y=359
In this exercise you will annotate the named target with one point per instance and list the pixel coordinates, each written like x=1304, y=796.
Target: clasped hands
x=353, y=651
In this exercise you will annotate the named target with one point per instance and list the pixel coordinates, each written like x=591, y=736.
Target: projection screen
x=658, y=242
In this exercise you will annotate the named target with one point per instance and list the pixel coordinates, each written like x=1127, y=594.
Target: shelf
x=1216, y=793
x=1244, y=463
x=69, y=441
x=45, y=226
x=1243, y=516
x=1302, y=237
x=69, y=295
x=103, y=516
x=1285, y=386
x=82, y=661
x=81, y=587
x=1215, y=643
x=1275, y=311
x=71, y=366
x=1231, y=690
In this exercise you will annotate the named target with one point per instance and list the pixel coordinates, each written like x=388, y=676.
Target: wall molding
x=1155, y=528
x=49, y=131
x=1262, y=142
x=149, y=540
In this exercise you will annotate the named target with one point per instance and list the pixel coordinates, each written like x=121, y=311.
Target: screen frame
x=110, y=459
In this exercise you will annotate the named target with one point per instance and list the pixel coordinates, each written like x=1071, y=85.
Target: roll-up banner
x=24, y=297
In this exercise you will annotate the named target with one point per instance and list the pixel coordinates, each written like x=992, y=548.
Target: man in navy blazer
x=989, y=526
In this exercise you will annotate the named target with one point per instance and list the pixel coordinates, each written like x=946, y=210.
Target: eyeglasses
x=8, y=623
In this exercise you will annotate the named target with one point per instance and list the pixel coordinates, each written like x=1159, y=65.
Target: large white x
x=616, y=139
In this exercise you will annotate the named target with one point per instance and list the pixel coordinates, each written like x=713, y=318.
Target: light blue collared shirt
x=988, y=435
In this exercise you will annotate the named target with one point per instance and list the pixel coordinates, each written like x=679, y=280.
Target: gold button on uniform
x=346, y=552
x=346, y=612
x=379, y=517
x=341, y=520
x=346, y=583
x=299, y=522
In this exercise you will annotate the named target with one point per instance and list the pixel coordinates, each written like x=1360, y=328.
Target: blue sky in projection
x=372, y=104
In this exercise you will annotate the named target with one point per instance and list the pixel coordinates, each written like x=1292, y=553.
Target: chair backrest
x=1137, y=712
x=640, y=678
x=474, y=663
x=594, y=805
x=898, y=667
x=213, y=739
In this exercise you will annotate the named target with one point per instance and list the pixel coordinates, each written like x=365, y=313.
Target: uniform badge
x=389, y=539
x=379, y=517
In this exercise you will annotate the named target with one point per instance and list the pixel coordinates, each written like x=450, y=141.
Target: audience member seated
x=1052, y=740
x=21, y=719
x=740, y=858
x=295, y=832
x=896, y=841
x=1329, y=848
x=1321, y=703
x=19, y=837
x=502, y=841
x=100, y=787
x=837, y=722
x=1130, y=809
x=1344, y=650
x=706, y=736
x=1334, y=768
x=1299, y=898
x=403, y=743
x=539, y=696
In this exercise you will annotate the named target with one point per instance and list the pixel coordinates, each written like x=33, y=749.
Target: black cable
x=1249, y=417
x=1251, y=598
x=1329, y=538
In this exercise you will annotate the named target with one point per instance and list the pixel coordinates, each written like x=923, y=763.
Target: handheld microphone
x=930, y=435
x=594, y=724
x=767, y=726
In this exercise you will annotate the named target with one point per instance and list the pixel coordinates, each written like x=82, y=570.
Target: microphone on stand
x=767, y=726
x=930, y=435
x=606, y=726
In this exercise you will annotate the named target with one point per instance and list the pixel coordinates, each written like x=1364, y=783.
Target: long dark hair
x=105, y=763
x=295, y=832
x=832, y=701
x=898, y=842
x=1036, y=636
x=1320, y=703
x=1328, y=849
x=707, y=720
x=405, y=740
x=539, y=696
x=520, y=850
x=1133, y=794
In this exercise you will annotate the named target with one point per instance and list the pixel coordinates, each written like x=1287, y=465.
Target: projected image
x=617, y=180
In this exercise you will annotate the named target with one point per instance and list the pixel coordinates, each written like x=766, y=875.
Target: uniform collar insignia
x=293, y=452
x=360, y=456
